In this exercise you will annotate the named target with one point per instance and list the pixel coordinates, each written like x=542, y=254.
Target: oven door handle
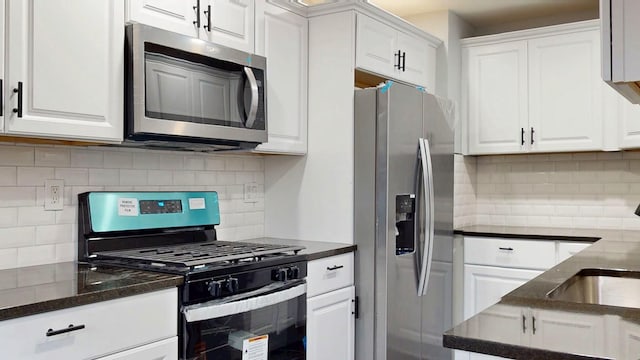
x=199, y=312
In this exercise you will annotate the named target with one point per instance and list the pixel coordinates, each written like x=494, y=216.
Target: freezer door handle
x=427, y=184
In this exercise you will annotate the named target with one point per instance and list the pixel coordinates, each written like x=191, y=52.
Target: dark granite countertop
x=537, y=233
x=38, y=289
x=611, y=329
x=313, y=249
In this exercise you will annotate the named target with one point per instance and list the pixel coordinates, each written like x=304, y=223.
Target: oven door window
x=222, y=337
x=191, y=88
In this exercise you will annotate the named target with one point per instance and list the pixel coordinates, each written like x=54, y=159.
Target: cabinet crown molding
x=532, y=33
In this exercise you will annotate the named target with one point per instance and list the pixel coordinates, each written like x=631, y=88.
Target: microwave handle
x=253, y=110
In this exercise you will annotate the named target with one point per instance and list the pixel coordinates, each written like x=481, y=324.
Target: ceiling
x=484, y=13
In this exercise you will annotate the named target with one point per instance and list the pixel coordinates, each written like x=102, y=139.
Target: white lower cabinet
x=485, y=285
x=563, y=331
x=331, y=308
x=494, y=267
x=132, y=327
x=331, y=325
x=160, y=350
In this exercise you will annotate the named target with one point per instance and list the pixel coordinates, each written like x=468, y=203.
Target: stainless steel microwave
x=184, y=92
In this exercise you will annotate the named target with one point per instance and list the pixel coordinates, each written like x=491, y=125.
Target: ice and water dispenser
x=405, y=223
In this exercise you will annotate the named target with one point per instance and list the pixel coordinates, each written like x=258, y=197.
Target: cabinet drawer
x=109, y=327
x=527, y=254
x=328, y=274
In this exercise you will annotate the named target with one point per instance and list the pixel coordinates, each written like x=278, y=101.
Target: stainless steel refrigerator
x=403, y=189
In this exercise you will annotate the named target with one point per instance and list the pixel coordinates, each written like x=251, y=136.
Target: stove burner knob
x=233, y=285
x=215, y=288
x=293, y=272
x=280, y=274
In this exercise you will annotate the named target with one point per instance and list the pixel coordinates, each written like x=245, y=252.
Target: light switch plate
x=251, y=192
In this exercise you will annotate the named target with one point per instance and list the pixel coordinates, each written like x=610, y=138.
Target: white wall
x=31, y=236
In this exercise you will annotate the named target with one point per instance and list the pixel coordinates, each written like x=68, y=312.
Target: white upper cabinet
x=565, y=92
x=535, y=90
x=171, y=15
x=229, y=23
x=65, y=69
x=496, y=97
x=225, y=22
x=3, y=84
x=383, y=50
x=282, y=37
x=629, y=124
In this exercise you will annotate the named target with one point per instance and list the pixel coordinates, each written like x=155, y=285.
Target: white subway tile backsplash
x=118, y=160
x=50, y=156
x=34, y=176
x=73, y=176
x=583, y=190
x=8, y=176
x=35, y=216
x=11, y=196
x=53, y=234
x=16, y=156
x=30, y=236
x=17, y=237
x=87, y=159
x=35, y=255
x=104, y=177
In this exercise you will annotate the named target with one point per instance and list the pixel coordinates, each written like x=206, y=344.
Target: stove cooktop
x=194, y=255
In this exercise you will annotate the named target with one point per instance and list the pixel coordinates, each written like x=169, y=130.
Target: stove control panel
x=160, y=206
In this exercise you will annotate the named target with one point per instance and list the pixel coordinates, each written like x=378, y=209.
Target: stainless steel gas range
x=237, y=297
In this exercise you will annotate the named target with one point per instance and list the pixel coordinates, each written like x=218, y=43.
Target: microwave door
x=250, y=98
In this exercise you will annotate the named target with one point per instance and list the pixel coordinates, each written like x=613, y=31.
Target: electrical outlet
x=250, y=192
x=53, y=194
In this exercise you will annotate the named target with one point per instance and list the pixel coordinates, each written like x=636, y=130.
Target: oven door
x=266, y=323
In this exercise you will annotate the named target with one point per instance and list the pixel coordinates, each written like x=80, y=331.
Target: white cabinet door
x=565, y=92
x=629, y=124
x=231, y=23
x=629, y=335
x=282, y=37
x=486, y=285
x=495, y=98
x=161, y=350
x=418, y=63
x=177, y=16
x=568, y=249
x=376, y=47
x=566, y=332
x=3, y=83
x=68, y=57
x=331, y=325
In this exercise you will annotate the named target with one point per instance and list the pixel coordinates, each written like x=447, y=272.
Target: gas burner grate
x=195, y=254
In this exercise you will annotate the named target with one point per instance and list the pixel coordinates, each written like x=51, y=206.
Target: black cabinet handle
x=522, y=136
x=335, y=267
x=70, y=328
x=532, y=132
x=404, y=58
x=524, y=324
x=506, y=248
x=533, y=324
x=208, y=13
x=197, y=10
x=397, y=56
x=18, y=110
x=1, y=98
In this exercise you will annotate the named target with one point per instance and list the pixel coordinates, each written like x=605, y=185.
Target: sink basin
x=602, y=287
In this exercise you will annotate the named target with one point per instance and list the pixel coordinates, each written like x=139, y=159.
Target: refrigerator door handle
x=427, y=183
